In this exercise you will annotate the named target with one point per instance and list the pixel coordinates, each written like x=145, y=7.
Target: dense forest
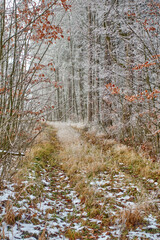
x=109, y=69
x=79, y=119
x=94, y=61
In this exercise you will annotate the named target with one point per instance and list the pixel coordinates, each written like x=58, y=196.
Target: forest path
x=43, y=206
x=65, y=133
x=72, y=192
x=119, y=206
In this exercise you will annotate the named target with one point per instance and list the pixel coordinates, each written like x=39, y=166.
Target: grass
x=101, y=155
x=42, y=236
x=43, y=153
x=125, y=158
x=10, y=217
x=72, y=234
x=82, y=158
x=82, y=161
x=132, y=218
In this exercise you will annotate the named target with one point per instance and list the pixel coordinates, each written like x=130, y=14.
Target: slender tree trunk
x=90, y=53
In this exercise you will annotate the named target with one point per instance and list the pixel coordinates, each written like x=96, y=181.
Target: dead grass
x=42, y=236
x=72, y=234
x=132, y=218
x=139, y=165
x=85, y=160
x=125, y=158
x=43, y=151
x=82, y=161
x=2, y=234
x=82, y=158
x=10, y=215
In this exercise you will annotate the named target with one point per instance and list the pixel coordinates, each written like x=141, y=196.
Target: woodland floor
x=74, y=185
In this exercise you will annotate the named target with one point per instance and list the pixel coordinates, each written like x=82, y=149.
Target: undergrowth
x=42, y=156
x=43, y=153
x=113, y=158
x=83, y=160
x=125, y=158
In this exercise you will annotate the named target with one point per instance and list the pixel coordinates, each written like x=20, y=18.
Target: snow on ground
x=52, y=210
x=118, y=192
x=52, y=205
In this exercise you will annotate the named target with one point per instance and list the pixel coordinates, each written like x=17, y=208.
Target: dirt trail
x=51, y=209
x=118, y=193
x=50, y=205
x=44, y=206
x=65, y=133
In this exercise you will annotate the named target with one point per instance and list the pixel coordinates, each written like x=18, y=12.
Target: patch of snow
x=45, y=182
x=152, y=222
x=143, y=235
x=104, y=236
x=30, y=228
x=73, y=196
x=6, y=194
x=13, y=234
x=78, y=227
x=32, y=197
x=45, y=205
x=109, y=195
x=99, y=182
x=150, y=180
